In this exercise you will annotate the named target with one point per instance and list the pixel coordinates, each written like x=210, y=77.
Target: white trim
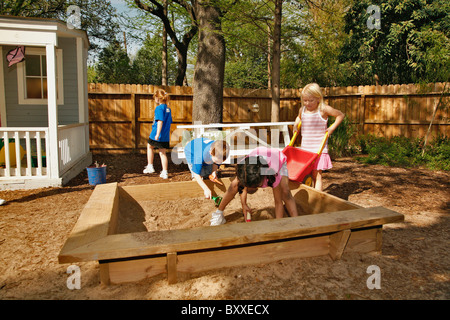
x=40, y=25
x=3, y=122
x=28, y=38
x=234, y=125
x=80, y=81
x=53, y=153
x=21, y=86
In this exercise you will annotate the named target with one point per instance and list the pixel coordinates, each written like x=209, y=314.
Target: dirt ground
x=414, y=264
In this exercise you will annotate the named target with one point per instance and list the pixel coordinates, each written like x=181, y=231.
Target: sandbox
x=123, y=229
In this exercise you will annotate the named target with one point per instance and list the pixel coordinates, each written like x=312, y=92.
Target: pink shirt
x=275, y=159
x=313, y=130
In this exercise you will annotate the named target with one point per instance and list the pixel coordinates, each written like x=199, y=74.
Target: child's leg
x=217, y=216
x=278, y=199
x=164, y=160
x=149, y=154
x=149, y=167
x=317, y=177
x=287, y=197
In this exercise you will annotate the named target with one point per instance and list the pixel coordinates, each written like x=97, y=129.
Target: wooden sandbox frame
x=330, y=226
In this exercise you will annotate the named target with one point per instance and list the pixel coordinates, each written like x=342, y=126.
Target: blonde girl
x=313, y=115
x=160, y=135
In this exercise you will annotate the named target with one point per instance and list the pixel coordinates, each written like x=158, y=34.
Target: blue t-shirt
x=164, y=114
x=197, y=153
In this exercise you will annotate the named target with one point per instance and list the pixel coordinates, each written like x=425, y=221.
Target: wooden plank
x=135, y=270
x=149, y=243
x=216, y=258
x=338, y=241
x=98, y=218
x=366, y=240
x=172, y=267
x=312, y=201
x=192, y=262
x=255, y=254
x=104, y=274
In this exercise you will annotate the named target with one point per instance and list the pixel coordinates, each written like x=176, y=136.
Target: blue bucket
x=96, y=175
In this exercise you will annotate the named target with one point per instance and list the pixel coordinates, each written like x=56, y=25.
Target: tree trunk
x=276, y=51
x=210, y=66
x=180, y=46
x=269, y=59
x=164, y=51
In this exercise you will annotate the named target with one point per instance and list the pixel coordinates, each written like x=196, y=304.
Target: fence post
x=134, y=138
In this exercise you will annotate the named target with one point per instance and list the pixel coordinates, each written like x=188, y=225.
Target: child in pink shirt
x=262, y=168
x=314, y=118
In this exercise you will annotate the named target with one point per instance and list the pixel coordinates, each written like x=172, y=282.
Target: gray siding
x=68, y=113
x=37, y=115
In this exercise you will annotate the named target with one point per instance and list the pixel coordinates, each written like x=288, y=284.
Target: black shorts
x=159, y=144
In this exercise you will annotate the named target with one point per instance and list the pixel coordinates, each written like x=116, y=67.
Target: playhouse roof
x=42, y=24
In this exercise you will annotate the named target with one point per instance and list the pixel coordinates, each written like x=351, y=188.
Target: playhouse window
x=36, y=77
x=32, y=77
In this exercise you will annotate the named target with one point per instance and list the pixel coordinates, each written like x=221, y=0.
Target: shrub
x=339, y=142
x=405, y=152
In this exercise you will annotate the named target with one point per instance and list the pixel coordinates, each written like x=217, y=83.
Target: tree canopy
x=411, y=45
x=328, y=42
x=98, y=17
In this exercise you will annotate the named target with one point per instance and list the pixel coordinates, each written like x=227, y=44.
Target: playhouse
x=44, y=133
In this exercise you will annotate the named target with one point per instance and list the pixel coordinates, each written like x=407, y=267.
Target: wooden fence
x=121, y=116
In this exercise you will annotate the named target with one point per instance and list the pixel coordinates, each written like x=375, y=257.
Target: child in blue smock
x=160, y=135
x=204, y=157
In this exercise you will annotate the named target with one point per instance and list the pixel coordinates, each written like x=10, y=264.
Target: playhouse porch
x=27, y=160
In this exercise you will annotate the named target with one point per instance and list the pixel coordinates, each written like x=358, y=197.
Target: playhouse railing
x=23, y=152
x=73, y=143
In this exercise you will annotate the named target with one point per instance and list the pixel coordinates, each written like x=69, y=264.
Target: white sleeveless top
x=313, y=130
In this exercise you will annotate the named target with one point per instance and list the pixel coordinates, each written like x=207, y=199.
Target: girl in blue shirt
x=160, y=135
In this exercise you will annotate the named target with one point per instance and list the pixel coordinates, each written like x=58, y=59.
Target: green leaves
x=412, y=45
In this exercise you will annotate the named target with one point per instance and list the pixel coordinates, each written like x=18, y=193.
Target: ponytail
x=161, y=95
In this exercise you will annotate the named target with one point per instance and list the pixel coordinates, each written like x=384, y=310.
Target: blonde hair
x=220, y=149
x=313, y=89
x=161, y=95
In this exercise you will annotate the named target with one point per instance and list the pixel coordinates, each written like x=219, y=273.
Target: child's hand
x=213, y=178
x=330, y=131
x=246, y=209
x=247, y=213
x=207, y=193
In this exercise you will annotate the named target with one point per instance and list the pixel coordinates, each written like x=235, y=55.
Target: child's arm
x=202, y=184
x=297, y=121
x=329, y=111
x=158, y=129
x=245, y=207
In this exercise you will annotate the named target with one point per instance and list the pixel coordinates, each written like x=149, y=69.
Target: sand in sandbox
x=186, y=213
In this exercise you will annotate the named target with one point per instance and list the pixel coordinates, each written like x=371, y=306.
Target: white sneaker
x=2, y=202
x=164, y=175
x=217, y=219
x=149, y=169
